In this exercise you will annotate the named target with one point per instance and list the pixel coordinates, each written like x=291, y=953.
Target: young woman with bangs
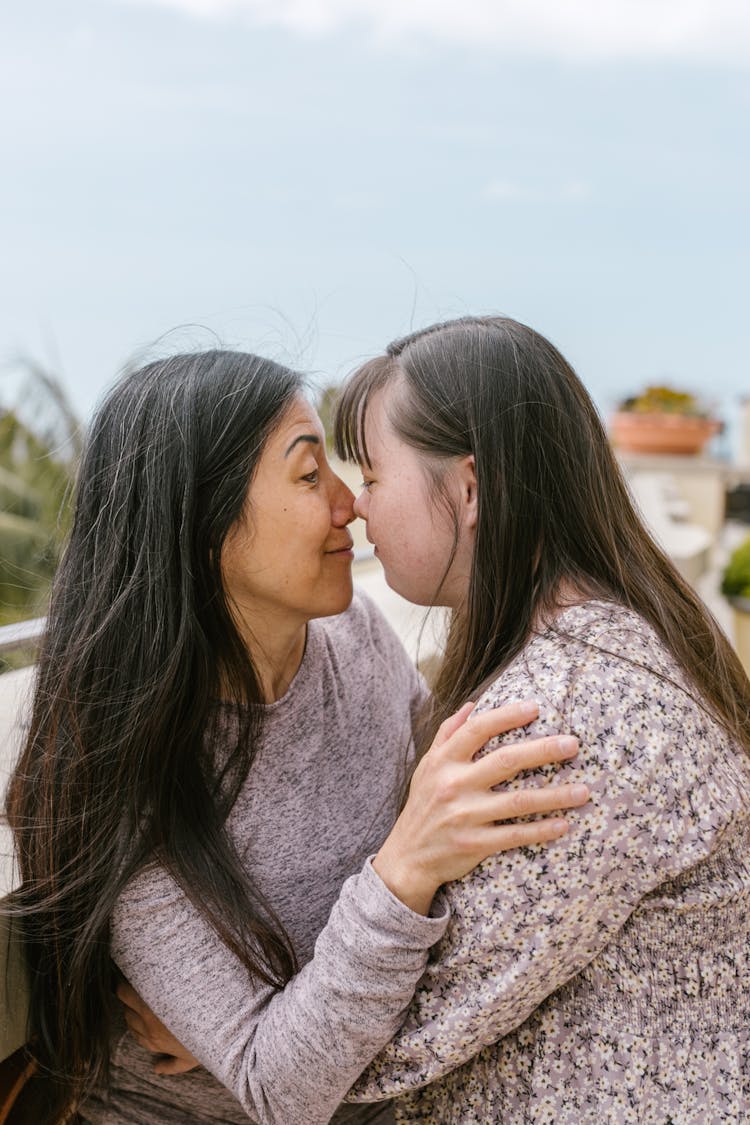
x=602, y=979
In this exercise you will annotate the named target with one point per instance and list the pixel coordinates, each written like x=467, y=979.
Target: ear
x=467, y=477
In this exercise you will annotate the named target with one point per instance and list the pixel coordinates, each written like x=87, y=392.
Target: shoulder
x=589, y=644
x=654, y=757
x=601, y=672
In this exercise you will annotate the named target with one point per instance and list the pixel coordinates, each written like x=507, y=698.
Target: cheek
x=395, y=529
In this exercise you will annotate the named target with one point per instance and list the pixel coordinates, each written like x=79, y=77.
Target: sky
x=312, y=178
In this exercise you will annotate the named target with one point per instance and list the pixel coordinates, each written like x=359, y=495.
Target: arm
x=290, y=1055
x=523, y=924
x=283, y=1054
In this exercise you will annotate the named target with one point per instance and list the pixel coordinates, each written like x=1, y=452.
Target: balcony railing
x=22, y=634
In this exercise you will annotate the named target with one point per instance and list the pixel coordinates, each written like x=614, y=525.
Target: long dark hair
x=553, y=507
x=140, y=643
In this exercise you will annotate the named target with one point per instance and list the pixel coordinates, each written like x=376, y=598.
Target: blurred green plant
x=38, y=460
x=735, y=581
x=665, y=400
x=325, y=404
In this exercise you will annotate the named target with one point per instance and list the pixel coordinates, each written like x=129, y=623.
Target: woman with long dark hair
x=213, y=752
x=603, y=979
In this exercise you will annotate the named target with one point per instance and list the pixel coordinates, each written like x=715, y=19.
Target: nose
x=342, y=503
x=361, y=504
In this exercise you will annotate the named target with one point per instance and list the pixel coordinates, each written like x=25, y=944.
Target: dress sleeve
x=664, y=784
x=290, y=1055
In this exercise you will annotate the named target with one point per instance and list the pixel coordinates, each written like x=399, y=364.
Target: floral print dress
x=603, y=978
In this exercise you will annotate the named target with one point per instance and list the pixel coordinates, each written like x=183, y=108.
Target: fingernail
x=560, y=827
x=529, y=708
x=568, y=744
x=580, y=792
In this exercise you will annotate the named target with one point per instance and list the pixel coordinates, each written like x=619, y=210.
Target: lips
x=342, y=549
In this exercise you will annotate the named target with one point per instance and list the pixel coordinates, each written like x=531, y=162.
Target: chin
x=412, y=592
x=337, y=602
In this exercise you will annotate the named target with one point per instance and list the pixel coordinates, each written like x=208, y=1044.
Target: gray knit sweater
x=321, y=796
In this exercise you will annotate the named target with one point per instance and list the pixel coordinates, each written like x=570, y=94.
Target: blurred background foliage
x=40, y=445
x=325, y=404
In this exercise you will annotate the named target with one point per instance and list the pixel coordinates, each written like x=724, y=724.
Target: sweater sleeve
x=664, y=784
x=290, y=1055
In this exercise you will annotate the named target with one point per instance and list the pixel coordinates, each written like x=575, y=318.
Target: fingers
x=168, y=1064
x=530, y=802
x=509, y=836
x=137, y=1014
x=152, y=1035
x=481, y=726
x=450, y=725
x=141, y=1030
x=137, y=1028
x=129, y=996
x=506, y=761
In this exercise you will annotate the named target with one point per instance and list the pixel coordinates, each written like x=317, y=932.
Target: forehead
x=301, y=418
x=380, y=436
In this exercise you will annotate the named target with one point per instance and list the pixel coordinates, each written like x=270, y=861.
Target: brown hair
x=553, y=507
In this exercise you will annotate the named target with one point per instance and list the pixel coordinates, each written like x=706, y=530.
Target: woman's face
x=412, y=529
x=288, y=558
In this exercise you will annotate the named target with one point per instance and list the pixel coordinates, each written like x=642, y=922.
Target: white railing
x=21, y=634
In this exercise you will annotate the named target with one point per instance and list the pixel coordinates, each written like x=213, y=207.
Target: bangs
x=351, y=409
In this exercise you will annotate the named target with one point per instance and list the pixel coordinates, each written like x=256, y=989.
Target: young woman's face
x=288, y=559
x=412, y=529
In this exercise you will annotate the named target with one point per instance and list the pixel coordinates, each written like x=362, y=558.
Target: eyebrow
x=313, y=439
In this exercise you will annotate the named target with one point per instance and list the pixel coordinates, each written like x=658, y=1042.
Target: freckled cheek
x=396, y=533
x=379, y=523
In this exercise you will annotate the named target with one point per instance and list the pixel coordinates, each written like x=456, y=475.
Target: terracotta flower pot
x=661, y=433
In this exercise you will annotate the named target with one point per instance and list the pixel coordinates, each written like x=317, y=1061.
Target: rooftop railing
x=22, y=634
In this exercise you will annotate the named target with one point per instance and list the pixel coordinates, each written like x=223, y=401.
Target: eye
x=367, y=484
x=311, y=478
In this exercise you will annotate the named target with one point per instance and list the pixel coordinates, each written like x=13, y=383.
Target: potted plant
x=662, y=420
x=735, y=585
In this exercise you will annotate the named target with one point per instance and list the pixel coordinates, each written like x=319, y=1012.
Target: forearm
x=317, y=1036
x=291, y=1055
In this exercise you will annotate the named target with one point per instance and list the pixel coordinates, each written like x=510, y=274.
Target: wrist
x=414, y=889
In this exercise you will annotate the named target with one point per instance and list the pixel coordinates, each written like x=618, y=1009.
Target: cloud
x=569, y=28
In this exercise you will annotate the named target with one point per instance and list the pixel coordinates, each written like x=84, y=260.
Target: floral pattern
x=602, y=978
